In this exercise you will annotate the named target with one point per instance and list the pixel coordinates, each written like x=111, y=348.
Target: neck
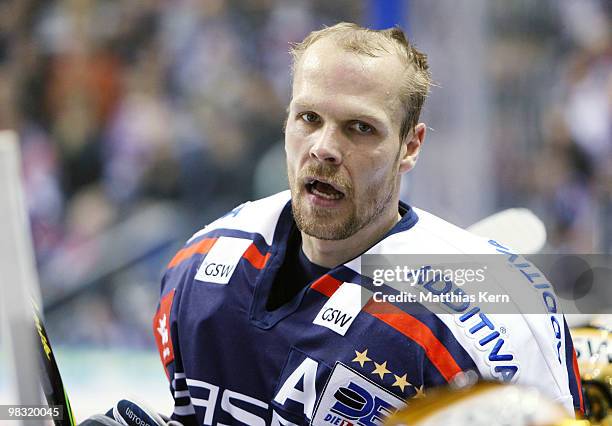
x=331, y=253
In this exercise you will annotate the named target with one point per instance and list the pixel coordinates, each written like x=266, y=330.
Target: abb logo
x=161, y=327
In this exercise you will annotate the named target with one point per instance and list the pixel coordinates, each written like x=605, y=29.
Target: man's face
x=344, y=157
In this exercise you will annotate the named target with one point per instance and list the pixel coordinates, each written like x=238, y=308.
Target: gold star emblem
x=420, y=393
x=401, y=382
x=381, y=369
x=362, y=357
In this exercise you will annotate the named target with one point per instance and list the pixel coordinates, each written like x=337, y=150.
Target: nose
x=326, y=149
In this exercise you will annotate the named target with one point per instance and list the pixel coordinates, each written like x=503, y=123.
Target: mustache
x=329, y=174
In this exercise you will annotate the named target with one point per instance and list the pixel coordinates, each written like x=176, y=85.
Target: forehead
x=329, y=74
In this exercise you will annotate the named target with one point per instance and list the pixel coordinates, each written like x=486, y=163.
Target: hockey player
x=263, y=319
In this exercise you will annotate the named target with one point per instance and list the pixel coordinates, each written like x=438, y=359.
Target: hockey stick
x=51, y=381
x=519, y=228
x=19, y=291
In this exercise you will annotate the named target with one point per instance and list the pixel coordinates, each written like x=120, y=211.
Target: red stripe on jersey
x=161, y=330
x=256, y=259
x=326, y=285
x=411, y=327
x=578, y=380
x=200, y=247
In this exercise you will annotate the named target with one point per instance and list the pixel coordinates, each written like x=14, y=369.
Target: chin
x=326, y=228
x=326, y=234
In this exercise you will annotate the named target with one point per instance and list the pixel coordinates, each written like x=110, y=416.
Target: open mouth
x=323, y=189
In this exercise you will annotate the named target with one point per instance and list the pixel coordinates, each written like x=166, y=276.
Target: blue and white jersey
x=328, y=356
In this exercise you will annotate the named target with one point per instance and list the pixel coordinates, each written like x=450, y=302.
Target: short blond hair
x=363, y=41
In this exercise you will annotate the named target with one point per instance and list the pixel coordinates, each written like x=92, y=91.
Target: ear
x=411, y=147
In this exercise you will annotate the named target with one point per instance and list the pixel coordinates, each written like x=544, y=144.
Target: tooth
x=326, y=196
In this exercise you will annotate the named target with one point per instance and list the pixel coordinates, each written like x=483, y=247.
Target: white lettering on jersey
x=277, y=420
x=307, y=373
x=220, y=262
x=340, y=310
x=238, y=413
x=208, y=404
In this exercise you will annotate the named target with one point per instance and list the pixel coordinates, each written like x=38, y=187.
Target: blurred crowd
x=118, y=104
x=119, y=101
x=121, y=104
x=551, y=75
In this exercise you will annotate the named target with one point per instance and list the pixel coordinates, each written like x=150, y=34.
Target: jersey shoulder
x=259, y=216
x=518, y=339
x=247, y=229
x=433, y=235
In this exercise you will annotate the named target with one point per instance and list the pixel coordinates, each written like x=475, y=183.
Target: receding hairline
x=385, y=83
x=340, y=49
x=416, y=81
x=352, y=39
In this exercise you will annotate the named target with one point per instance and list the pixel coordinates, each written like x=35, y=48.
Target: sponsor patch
x=350, y=399
x=220, y=262
x=340, y=310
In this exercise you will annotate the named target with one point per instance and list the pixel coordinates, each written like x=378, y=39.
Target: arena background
x=140, y=121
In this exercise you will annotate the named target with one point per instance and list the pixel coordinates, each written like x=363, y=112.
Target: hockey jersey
x=330, y=356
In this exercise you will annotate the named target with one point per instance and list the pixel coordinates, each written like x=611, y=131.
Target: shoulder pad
x=258, y=216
